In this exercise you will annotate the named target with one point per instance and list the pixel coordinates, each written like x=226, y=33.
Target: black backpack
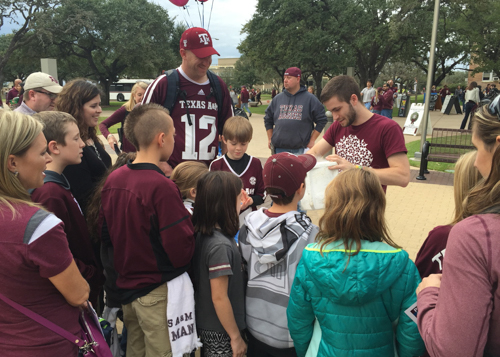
x=174, y=91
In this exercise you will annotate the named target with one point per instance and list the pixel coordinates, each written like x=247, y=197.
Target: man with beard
x=362, y=139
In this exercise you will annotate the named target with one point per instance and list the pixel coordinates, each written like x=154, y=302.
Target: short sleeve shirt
x=34, y=248
x=216, y=256
x=369, y=144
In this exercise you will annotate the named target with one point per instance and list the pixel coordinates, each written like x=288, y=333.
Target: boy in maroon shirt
x=65, y=147
x=237, y=134
x=145, y=224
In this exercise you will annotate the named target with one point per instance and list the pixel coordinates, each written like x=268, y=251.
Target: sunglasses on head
x=494, y=107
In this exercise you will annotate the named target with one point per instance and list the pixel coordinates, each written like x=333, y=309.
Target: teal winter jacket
x=360, y=307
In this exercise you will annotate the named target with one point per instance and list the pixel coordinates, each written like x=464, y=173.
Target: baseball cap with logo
x=293, y=72
x=198, y=40
x=42, y=80
x=286, y=172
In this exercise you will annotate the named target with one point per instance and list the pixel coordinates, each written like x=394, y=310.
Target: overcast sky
x=228, y=18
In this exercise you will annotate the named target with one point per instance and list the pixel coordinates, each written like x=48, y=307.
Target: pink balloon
x=179, y=2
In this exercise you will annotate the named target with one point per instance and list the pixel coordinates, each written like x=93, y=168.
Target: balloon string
x=199, y=14
x=203, y=10
x=210, y=17
x=187, y=22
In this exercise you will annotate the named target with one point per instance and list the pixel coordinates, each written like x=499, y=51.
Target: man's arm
x=320, y=148
x=397, y=174
x=269, y=123
x=269, y=136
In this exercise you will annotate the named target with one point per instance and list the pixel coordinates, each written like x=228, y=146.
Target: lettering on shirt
x=181, y=331
x=250, y=191
x=293, y=112
x=439, y=259
x=198, y=104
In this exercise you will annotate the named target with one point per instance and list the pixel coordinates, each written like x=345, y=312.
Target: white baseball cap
x=42, y=80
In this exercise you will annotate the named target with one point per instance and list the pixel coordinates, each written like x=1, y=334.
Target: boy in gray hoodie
x=271, y=243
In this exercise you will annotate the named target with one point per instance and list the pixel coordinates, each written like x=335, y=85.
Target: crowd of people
x=178, y=239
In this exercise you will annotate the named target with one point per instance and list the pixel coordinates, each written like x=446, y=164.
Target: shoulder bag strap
x=43, y=321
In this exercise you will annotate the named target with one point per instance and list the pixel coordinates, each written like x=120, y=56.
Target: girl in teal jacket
x=357, y=283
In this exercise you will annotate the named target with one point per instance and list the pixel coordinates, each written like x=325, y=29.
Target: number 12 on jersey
x=189, y=152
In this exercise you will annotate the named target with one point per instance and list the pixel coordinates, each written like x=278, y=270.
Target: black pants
x=468, y=108
x=257, y=348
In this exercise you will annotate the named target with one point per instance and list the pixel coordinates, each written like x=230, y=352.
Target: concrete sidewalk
x=412, y=211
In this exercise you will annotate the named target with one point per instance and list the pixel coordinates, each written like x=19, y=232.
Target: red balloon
x=179, y=2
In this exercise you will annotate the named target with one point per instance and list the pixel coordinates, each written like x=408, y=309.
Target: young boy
x=144, y=222
x=236, y=134
x=65, y=147
x=271, y=244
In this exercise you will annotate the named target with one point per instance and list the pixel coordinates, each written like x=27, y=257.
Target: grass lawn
x=438, y=166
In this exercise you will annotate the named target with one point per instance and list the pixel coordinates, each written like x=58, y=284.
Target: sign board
x=404, y=105
x=453, y=106
x=432, y=102
x=446, y=102
x=414, y=125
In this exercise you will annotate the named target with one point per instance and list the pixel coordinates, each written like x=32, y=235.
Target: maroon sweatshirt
x=147, y=228
x=117, y=117
x=430, y=257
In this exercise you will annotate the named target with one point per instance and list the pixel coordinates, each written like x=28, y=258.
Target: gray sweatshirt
x=293, y=118
x=271, y=248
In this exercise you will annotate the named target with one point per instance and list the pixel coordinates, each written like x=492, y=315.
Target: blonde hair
x=187, y=174
x=17, y=134
x=354, y=211
x=486, y=127
x=130, y=104
x=466, y=178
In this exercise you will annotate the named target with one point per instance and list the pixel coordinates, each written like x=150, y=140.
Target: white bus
x=120, y=91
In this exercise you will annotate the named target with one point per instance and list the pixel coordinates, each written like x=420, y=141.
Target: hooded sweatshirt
x=271, y=248
x=360, y=305
x=293, y=118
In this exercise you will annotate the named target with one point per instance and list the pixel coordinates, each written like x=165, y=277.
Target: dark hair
x=144, y=122
x=472, y=85
x=271, y=191
x=216, y=195
x=94, y=204
x=342, y=87
x=72, y=99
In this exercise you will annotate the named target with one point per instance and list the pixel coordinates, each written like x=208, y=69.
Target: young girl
x=186, y=176
x=355, y=280
x=218, y=280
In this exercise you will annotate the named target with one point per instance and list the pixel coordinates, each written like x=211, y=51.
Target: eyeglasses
x=52, y=96
x=494, y=107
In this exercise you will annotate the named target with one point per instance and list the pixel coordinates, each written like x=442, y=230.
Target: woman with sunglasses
x=82, y=99
x=459, y=310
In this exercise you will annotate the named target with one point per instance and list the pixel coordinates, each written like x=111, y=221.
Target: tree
x=22, y=14
x=245, y=72
x=452, y=43
x=113, y=37
x=485, y=39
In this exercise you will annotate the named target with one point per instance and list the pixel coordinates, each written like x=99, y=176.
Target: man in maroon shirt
x=245, y=97
x=197, y=136
x=362, y=139
x=14, y=92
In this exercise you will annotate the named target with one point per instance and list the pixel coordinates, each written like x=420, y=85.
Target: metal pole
x=429, y=85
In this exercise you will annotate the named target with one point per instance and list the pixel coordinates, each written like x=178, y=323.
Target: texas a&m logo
x=204, y=38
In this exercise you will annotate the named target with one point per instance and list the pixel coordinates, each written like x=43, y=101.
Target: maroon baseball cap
x=287, y=172
x=198, y=40
x=293, y=72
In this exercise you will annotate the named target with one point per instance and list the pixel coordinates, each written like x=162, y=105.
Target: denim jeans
x=291, y=151
x=387, y=113
x=245, y=105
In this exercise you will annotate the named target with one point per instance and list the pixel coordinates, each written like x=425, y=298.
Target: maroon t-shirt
x=251, y=177
x=199, y=141
x=34, y=248
x=430, y=257
x=369, y=144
